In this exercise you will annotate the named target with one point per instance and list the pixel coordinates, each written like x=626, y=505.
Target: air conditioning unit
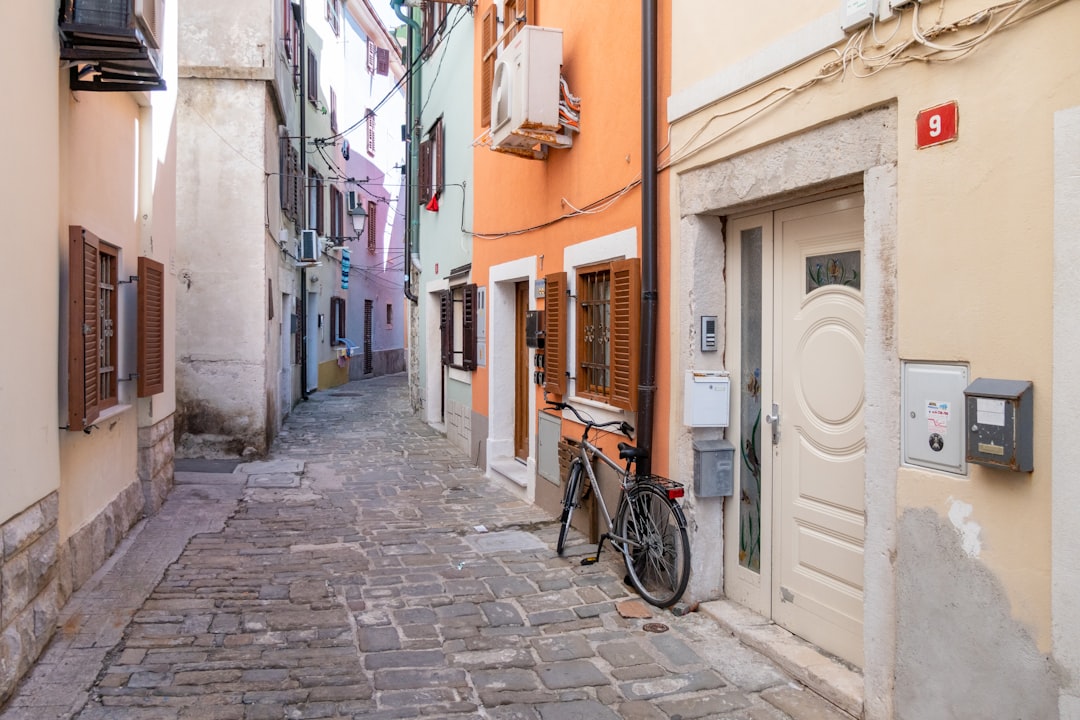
x=310, y=246
x=525, y=94
x=150, y=15
x=355, y=203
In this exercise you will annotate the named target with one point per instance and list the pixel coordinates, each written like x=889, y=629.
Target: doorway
x=794, y=531
x=521, y=373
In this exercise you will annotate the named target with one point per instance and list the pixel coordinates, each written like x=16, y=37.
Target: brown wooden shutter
x=424, y=178
x=516, y=9
x=83, y=330
x=439, y=151
x=489, y=35
x=555, y=333
x=625, y=332
x=320, y=226
x=382, y=61
x=446, y=317
x=468, y=328
x=150, y=342
x=372, y=55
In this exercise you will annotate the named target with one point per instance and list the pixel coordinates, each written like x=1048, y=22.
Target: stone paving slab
x=343, y=577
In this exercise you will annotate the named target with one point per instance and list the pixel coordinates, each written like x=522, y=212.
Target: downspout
x=412, y=215
x=298, y=13
x=649, y=295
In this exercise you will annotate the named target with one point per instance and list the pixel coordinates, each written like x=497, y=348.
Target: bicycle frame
x=586, y=452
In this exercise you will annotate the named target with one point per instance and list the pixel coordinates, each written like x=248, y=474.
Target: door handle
x=774, y=420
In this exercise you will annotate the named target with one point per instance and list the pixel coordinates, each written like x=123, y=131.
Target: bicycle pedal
x=589, y=560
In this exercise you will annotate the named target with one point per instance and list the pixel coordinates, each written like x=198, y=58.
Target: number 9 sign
x=936, y=125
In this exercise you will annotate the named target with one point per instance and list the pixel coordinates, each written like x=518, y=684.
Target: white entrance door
x=807, y=447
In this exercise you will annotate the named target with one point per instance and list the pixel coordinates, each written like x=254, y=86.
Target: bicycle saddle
x=629, y=452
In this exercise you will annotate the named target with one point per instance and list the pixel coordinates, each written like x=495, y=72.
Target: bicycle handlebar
x=624, y=427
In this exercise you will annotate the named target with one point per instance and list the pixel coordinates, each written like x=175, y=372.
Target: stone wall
x=30, y=597
x=156, y=463
x=89, y=547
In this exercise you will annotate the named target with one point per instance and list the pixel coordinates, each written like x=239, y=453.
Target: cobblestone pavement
x=344, y=577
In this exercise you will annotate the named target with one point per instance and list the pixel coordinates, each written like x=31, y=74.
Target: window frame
x=338, y=330
x=457, y=326
x=563, y=328
x=372, y=210
x=337, y=216
x=312, y=77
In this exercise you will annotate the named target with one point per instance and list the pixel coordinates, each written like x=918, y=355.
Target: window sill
x=600, y=412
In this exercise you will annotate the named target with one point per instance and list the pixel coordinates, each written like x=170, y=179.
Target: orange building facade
x=551, y=233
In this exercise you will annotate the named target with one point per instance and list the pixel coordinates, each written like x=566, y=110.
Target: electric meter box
x=932, y=426
x=1000, y=419
x=706, y=398
x=714, y=468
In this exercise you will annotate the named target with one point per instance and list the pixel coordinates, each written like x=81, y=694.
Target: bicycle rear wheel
x=570, y=498
x=657, y=547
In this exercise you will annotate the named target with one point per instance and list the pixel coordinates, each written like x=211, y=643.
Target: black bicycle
x=648, y=528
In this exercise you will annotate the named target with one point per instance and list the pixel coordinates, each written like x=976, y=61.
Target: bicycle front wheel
x=570, y=498
x=656, y=548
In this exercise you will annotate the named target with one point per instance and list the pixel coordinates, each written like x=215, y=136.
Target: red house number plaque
x=936, y=125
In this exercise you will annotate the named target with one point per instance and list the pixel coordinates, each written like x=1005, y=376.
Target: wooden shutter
x=83, y=328
x=555, y=333
x=312, y=77
x=372, y=56
x=625, y=332
x=371, y=132
x=439, y=152
x=424, y=179
x=446, y=328
x=382, y=61
x=468, y=328
x=320, y=226
x=489, y=35
x=150, y=342
x=371, y=216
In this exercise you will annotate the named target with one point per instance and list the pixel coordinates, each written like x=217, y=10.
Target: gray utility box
x=999, y=423
x=714, y=468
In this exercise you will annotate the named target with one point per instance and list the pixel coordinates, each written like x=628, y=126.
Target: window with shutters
x=333, y=15
x=389, y=315
x=369, y=115
x=337, y=321
x=433, y=162
x=315, y=201
x=382, y=61
x=372, y=53
x=602, y=357
x=370, y=222
x=312, y=77
x=290, y=39
x=95, y=342
x=333, y=111
x=457, y=325
x=289, y=182
x=337, y=216
x=434, y=25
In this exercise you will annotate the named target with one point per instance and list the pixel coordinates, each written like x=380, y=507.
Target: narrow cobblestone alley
x=344, y=577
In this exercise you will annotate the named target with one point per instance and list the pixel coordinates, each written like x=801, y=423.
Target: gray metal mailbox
x=714, y=468
x=999, y=419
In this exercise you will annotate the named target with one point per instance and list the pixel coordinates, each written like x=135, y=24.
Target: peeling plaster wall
x=961, y=654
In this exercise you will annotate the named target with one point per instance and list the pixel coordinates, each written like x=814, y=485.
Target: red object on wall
x=433, y=203
x=937, y=125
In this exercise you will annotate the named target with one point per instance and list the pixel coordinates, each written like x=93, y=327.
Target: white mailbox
x=707, y=398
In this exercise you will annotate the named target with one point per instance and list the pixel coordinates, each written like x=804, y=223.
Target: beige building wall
x=29, y=438
x=104, y=161
x=960, y=561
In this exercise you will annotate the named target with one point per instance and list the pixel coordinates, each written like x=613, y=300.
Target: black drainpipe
x=649, y=295
x=298, y=8
x=412, y=105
